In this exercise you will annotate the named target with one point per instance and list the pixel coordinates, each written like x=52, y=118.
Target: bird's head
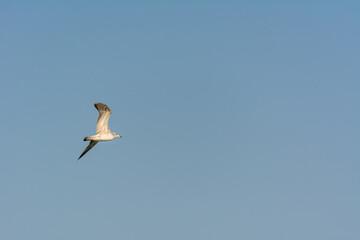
x=117, y=135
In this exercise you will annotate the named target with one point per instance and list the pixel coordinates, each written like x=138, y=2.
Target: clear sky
x=240, y=120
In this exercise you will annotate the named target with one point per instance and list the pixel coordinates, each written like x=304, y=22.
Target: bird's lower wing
x=90, y=146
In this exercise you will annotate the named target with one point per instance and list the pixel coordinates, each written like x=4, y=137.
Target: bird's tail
x=87, y=138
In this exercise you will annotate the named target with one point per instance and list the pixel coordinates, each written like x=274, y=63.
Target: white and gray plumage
x=103, y=132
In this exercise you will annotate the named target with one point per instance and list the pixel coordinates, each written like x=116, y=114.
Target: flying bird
x=102, y=129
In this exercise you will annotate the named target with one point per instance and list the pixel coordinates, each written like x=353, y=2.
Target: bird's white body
x=102, y=137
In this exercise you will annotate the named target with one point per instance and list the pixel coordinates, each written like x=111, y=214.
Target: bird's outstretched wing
x=90, y=146
x=102, y=122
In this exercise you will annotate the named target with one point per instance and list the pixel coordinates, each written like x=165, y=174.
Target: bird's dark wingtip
x=81, y=155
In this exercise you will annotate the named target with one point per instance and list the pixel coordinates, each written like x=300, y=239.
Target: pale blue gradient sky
x=240, y=120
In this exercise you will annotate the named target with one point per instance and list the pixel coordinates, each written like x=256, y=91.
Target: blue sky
x=240, y=120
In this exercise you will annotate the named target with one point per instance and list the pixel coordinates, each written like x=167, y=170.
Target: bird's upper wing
x=102, y=122
x=90, y=146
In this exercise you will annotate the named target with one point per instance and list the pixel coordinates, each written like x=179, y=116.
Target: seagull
x=102, y=129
